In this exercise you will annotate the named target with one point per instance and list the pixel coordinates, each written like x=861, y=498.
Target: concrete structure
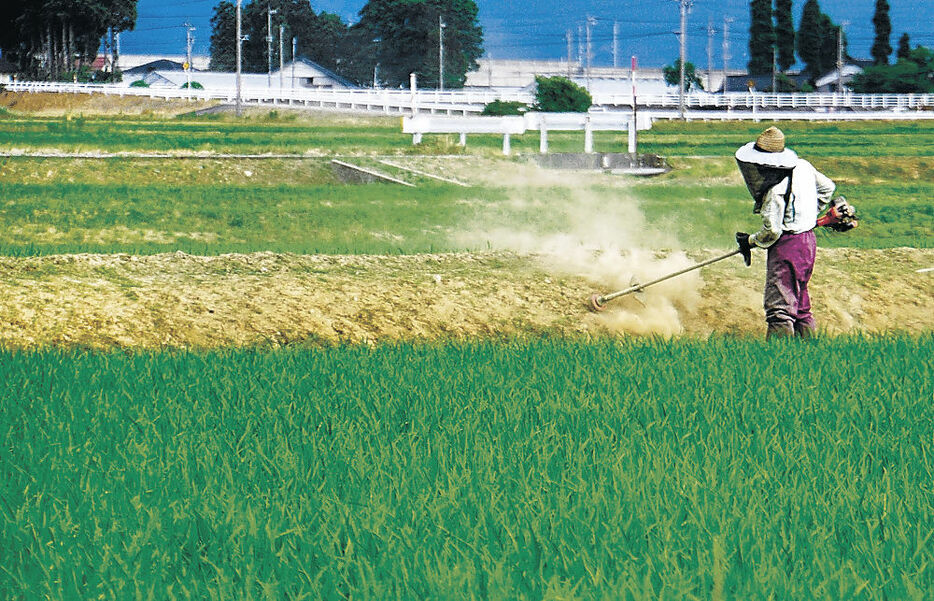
x=520, y=75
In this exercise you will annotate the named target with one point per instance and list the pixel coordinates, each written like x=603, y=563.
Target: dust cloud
x=600, y=235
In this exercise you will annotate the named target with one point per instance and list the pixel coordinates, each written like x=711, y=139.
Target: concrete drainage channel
x=612, y=162
x=609, y=162
x=357, y=174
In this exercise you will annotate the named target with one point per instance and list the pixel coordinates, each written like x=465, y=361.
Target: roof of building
x=830, y=78
x=162, y=64
x=304, y=69
x=131, y=61
x=308, y=68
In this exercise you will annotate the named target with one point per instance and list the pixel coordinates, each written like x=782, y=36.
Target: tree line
x=59, y=39
x=392, y=39
x=773, y=41
x=819, y=42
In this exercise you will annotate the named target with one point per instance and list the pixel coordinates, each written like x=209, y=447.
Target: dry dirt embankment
x=178, y=300
x=56, y=105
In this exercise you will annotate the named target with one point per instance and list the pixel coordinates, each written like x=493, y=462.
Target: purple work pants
x=788, y=269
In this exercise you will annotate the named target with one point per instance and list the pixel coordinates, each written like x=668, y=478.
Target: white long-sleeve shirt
x=810, y=193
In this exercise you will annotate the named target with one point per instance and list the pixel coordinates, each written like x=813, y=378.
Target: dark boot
x=805, y=331
x=779, y=330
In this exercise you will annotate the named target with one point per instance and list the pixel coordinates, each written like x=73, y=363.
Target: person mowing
x=790, y=194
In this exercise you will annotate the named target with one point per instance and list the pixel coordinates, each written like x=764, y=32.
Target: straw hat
x=769, y=150
x=771, y=140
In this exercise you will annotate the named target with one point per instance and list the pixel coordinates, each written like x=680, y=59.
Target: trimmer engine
x=840, y=217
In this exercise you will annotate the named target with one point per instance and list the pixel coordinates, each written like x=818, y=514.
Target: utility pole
x=710, y=32
x=294, y=42
x=580, y=47
x=570, y=39
x=377, y=42
x=774, y=69
x=685, y=4
x=726, y=48
x=615, y=44
x=239, y=54
x=441, y=26
x=270, y=11
x=281, y=64
x=840, y=56
x=590, y=23
x=189, y=40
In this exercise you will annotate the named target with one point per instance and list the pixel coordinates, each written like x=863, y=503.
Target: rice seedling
x=538, y=469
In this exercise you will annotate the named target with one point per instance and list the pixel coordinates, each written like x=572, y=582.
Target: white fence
x=464, y=102
x=418, y=125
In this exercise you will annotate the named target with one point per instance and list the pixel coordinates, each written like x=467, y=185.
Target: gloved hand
x=742, y=239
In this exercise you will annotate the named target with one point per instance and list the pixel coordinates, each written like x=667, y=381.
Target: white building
x=831, y=81
x=297, y=75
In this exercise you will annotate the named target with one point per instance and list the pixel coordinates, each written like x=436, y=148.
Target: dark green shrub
x=500, y=107
x=139, y=83
x=560, y=95
x=194, y=85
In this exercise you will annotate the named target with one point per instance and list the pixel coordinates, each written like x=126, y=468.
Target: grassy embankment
x=211, y=205
x=547, y=470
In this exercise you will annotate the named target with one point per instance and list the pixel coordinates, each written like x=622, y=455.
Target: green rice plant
x=537, y=469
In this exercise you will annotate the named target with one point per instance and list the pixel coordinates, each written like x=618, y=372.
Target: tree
x=904, y=47
x=761, y=37
x=408, y=32
x=120, y=16
x=914, y=74
x=560, y=95
x=223, y=37
x=784, y=34
x=881, y=49
x=54, y=38
x=319, y=37
x=673, y=75
x=809, y=38
x=831, y=37
x=817, y=40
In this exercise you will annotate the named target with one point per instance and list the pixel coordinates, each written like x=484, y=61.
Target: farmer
x=789, y=193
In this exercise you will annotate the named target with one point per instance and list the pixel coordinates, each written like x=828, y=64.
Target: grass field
x=522, y=448
x=550, y=469
x=213, y=206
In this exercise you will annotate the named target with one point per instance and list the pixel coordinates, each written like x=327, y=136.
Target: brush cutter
x=840, y=217
x=598, y=303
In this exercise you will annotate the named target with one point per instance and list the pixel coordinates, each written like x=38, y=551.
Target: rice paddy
x=270, y=426
x=546, y=469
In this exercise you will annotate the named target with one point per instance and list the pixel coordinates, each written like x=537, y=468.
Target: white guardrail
x=700, y=105
x=418, y=125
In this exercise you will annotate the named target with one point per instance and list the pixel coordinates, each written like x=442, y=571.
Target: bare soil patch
x=184, y=301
